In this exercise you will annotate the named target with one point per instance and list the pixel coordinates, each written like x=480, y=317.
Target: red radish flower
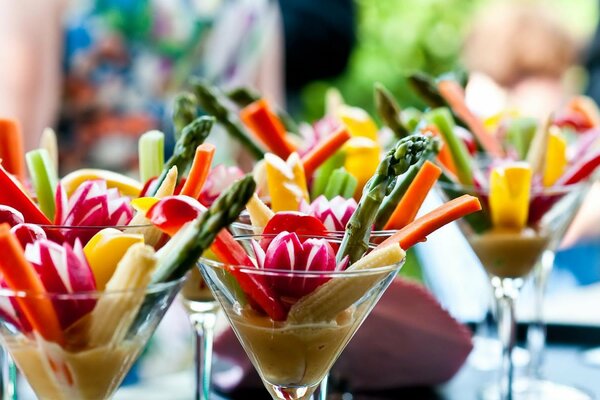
x=28, y=233
x=219, y=179
x=334, y=213
x=92, y=204
x=10, y=215
x=288, y=253
x=63, y=270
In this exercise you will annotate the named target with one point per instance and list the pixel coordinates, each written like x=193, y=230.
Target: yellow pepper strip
x=286, y=182
x=143, y=204
x=104, y=251
x=362, y=159
x=556, y=158
x=358, y=122
x=126, y=185
x=509, y=195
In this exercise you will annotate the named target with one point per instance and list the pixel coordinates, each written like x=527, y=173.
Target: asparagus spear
x=184, y=112
x=192, y=136
x=424, y=85
x=242, y=96
x=407, y=152
x=183, y=250
x=389, y=111
x=211, y=100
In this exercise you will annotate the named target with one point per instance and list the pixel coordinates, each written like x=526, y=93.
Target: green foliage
x=399, y=36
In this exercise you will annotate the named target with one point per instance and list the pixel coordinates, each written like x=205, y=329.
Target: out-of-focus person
x=519, y=53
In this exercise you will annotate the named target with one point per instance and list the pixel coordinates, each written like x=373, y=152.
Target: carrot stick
x=323, y=150
x=199, y=170
x=409, y=205
x=20, y=275
x=267, y=127
x=11, y=148
x=418, y=230
x=454, y=94
x=444, y=156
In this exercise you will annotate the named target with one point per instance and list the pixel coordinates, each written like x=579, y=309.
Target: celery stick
x=323, y=174
x=442, y=118
x=520, y=133
x=151, y=154
x=341, y=183
x=49, y=142
x=44, y=179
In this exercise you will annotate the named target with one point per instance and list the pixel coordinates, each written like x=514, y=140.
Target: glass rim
x=91, y=227
x=328, y=234
x=152, y=288
x=291, y=273
x=535, y=190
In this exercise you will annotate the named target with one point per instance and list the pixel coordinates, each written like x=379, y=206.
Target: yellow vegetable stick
x=104, y=251
x=362, y=159
x=510, y=187
x=259, y=212
x=126, y=185
x=286, y=182
x=49, y=142
x=358, y=122
x=556, y=157
x=536, y=156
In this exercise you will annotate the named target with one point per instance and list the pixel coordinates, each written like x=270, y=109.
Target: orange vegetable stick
x=323, y=150
x=454, y=94
x=418, y=230
x=11, y=148
x=199, y=170
x=409, y=205
x=267, y=127
x=20, y=275
x=444, y=156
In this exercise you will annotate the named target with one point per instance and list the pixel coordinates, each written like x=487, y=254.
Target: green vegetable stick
x=410, y=118
x=442, y=118
x=151, y=148
x=341, y=183
x=323, y=173
x=49, y=142
x=520, y=133
x=184, y=112
x=389, y=111
x=44, y=177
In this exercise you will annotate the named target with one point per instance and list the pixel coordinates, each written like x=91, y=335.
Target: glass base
x=591, y=357
x=487, y=354
x=529, y=389
x=290, y=393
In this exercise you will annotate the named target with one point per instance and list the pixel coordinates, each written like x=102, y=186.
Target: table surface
x=564, y=364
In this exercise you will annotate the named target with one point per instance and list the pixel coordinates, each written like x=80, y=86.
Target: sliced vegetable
x=10, y=215
x=587, y=108
x=63, y=270
x=334, y=213
x=151, y=149
x=580, y=170
x=260, y=213
x=11, y=148
x=418, y=230
x=104, y=251
x=20, y=275
x=286, y=182
x=219, y=178
x=199, y=171
x=184, y=112
x=362, y=158
x=323, y=174
x=520, y=133
x=556, y=158
x=49, y=142
x=267, y=127
x=536, y=156
x=389, y=111
x=28, y=233
x=295, y=222
x=341, y=183
x=454, y=94
x=126, y=185
x=358, y=122
x=44, y=179
x=411, y=202
x=509, y=195
x=444, y=155
x=323, y=150
x=442, y=118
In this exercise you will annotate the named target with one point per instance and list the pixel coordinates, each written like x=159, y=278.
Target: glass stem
x=204, y=325
x=507, y=331
x=9, y=377
x=321, y=393
x=536, y=332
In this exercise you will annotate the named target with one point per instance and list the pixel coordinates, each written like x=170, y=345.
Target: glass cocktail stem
x=536, y=332
x=507, y=291
x=203, y=321
x=322, y=392
x=9, y=377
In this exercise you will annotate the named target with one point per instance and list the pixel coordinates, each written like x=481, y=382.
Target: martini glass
x=89, y=363
x=202, y=309
x=294, y=355
x=509, y=256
